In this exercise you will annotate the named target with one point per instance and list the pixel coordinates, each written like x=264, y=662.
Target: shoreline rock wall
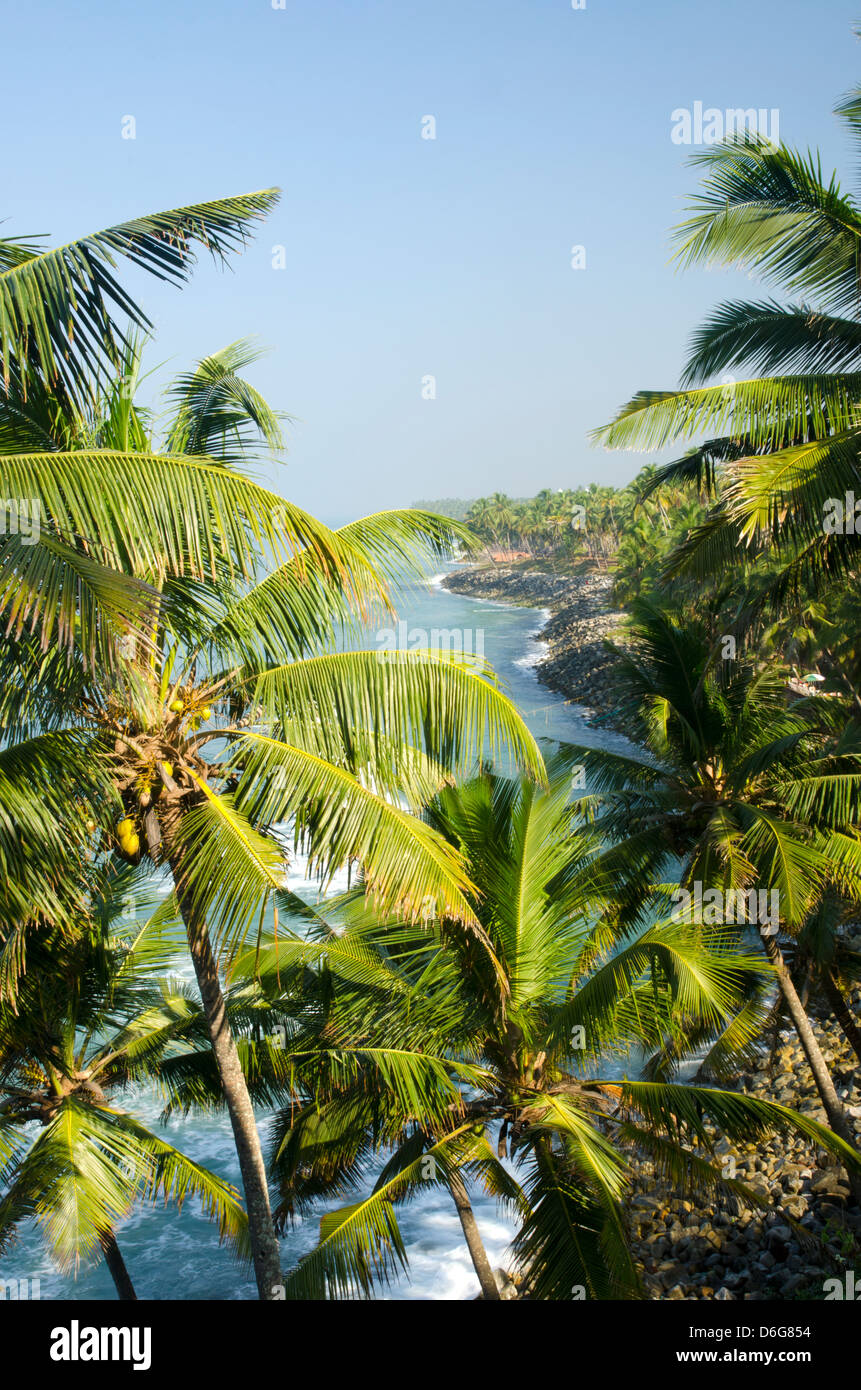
x=577, y=665
x=806, y=1233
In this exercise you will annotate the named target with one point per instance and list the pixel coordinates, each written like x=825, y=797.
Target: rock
x=670, y=1272
x=645, y=1202
x=759, y=1186
x=578, y=664
x=791, y=1284
x=830, y=1182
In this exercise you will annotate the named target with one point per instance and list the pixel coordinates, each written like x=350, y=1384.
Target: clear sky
x=408, y=257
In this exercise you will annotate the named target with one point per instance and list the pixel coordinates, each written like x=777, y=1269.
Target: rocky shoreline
x=577, y=664
x=805, y=1234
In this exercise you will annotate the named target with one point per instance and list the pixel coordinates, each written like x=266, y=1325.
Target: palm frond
x=769, y=412
x=408, y=868
x=769, y=209
x=58, y=308
x=219, y=414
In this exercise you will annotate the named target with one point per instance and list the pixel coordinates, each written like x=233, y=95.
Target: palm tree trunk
x=842, y=1012
x=831, y=1102
x=264, y=1241
x=117, y=1266
x=475, y=1245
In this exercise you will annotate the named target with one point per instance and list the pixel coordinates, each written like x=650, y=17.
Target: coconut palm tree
x=488, y=1057
x=503, y=517
x=735, y=790
x=778, y=448
x=72, y=555
x=64, y=316
x=91, y=1021
x=479, y=518
x=47, y=781
x=224, y=698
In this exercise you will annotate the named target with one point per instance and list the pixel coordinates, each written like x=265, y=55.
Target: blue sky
x=408, y=257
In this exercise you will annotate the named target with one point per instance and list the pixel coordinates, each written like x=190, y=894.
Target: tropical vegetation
x=503, y=999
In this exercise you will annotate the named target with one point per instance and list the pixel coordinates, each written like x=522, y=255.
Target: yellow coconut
x=177, y=706
x=125, y=828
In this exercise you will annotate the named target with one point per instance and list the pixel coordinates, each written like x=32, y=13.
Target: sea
x=175, y=1255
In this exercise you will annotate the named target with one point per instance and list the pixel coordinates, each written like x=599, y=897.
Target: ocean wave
x=533, y=658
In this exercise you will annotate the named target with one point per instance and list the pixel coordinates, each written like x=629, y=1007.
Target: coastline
x=802, y=1235
x=576, y=663
x=689, y=1249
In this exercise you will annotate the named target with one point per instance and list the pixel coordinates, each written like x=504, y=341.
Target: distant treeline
x=628, y=531
x=458, y=508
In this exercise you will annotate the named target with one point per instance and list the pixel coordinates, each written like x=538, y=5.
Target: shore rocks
x=806, y=1230
x=577, y=664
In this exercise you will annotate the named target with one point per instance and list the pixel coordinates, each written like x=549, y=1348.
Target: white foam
x=533, y=658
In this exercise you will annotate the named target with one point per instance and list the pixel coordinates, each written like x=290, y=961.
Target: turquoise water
x=174, y=1255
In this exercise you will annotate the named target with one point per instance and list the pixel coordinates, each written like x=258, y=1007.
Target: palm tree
x=59, y=307
x=635, y=559
x=479, y=518
x=734, y=790
x=70, y=577
x=455, y=1051
x=780, y=447
x=237, y=709
x=502, y=517
x=90, y=1022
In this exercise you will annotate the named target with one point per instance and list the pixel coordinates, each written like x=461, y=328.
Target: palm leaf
x=58, y=308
